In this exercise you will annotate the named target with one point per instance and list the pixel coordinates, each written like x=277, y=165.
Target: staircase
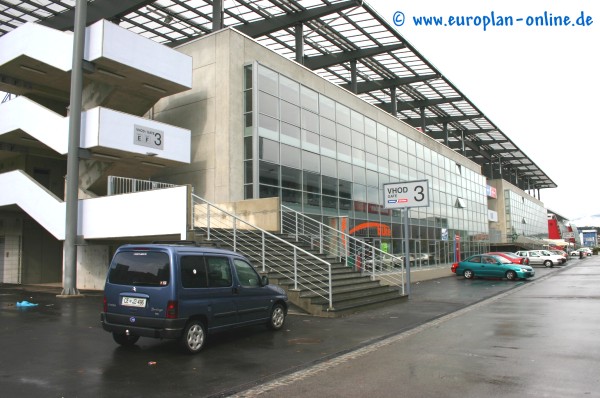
x=321, y=285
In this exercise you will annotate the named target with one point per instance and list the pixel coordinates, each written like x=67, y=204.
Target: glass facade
x=524, y=217
x=330, y=162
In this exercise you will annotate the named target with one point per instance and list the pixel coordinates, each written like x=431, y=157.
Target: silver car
x=542, y=257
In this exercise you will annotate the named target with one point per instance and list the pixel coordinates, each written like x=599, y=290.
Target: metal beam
x=327, y=60
x=468, y=145
x=266, y=26
x=416, y=122
x=503, y=151
x=413, y=105
x=96, y=10
x=408, y=105
x=365, y=87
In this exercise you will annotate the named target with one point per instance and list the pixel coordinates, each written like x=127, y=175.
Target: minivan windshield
x=146, y=268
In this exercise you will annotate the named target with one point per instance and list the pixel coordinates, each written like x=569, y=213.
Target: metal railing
x=122, y=185
x=354, y=252
x=276, y=255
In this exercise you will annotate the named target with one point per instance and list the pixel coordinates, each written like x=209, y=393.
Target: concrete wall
x=92, y=266
x=41, y=255
x=262, y=213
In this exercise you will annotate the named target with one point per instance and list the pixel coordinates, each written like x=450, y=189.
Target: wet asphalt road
x=539, y=340
x=58, y=348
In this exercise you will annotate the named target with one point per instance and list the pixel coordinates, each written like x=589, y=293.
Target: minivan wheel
x=468, y=274
x=277, y=317
x=548, y=263
x=193, y=337
x=125, y=340
x=511, y=275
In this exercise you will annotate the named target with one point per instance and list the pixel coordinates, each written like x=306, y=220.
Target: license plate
x=133, y=302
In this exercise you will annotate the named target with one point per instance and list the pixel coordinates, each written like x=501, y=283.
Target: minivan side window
x=205, y=271
x=193, y=272
x=219, y=272
x=246, y=274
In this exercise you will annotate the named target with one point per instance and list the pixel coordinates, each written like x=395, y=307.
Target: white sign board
x=401, y=195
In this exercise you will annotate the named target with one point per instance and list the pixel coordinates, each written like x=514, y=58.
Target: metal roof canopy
x=344, y=41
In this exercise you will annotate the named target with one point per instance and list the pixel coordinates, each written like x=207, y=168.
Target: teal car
x=491, y=266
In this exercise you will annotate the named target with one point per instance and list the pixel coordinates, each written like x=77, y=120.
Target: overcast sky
x=538, y=84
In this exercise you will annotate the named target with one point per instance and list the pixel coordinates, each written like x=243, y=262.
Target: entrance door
x=444, y=251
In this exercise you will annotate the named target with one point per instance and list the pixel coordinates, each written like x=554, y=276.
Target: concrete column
x=446, y=133
x=72, y=196
x=217, y=15
x=353, y=84
x=300, y=43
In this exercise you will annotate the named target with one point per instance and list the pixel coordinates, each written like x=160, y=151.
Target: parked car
x=586, y=251
x=560, y=253
x=384, y=262
x=541, y=257
x=515, y=259
x=422, y=258
x=561, y=258
x=493, y=266
x=185, y=293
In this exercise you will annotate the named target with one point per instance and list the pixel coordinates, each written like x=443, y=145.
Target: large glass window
x=327, y=107
x=291, y=178
x=330, y=160
x=344, y=152
x=289, y=90
x=290, y=134
x=268, y=150
x=268, y=81
x=290, y=113
x=311, y=161
x=309, y=99
x=310, y=141
x=291, y=156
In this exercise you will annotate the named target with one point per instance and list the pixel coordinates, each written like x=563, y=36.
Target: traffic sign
x=401, y=195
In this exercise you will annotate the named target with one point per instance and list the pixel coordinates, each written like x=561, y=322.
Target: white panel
x=90, y=125
x=47, y=45
x=117, y=131
x=158, y=212
x=107, y=40
x=39, y=122
x=35, y=200
x=100, y=127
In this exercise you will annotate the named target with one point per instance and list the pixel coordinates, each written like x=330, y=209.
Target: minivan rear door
x=139, y=283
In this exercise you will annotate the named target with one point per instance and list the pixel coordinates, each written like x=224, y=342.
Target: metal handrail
x=122, y=185
x=356, y=253
x=229, y=229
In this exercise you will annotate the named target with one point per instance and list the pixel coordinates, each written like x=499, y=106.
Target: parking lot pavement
x=57, y=348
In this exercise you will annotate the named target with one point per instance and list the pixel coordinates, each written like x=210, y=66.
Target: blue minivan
x=183, y=292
